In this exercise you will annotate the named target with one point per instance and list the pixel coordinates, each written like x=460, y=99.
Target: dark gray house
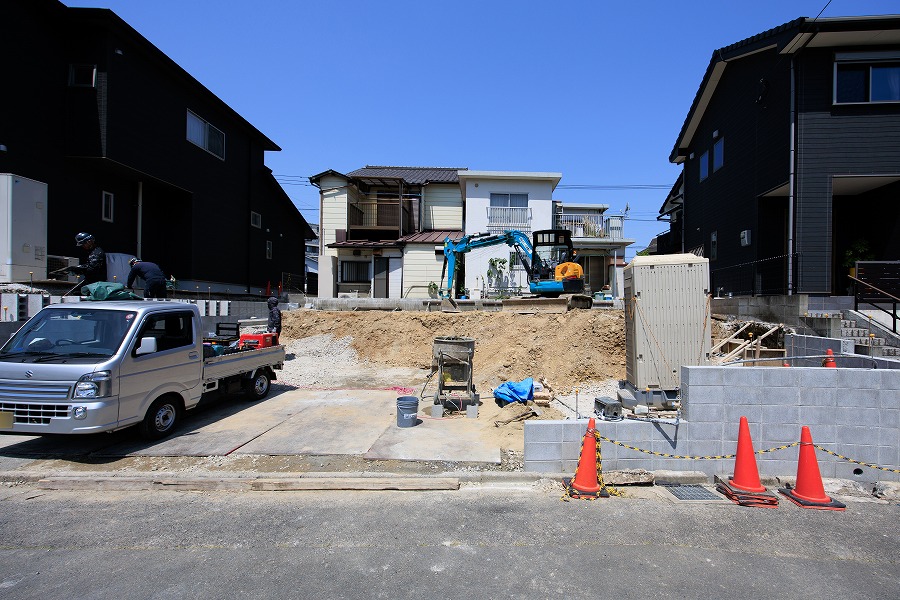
x=139, y=153
x=791, y=158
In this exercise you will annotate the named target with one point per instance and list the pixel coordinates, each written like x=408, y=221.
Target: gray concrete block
x=850, y=435
x=863, y=398
x=818, y=396
x=890, y=418
x=704, y=375
x=636, y=432
x=815, y=415
x=788, y=415
x=733, y=413
x=859, y=379
x=570, y=451
x=543, y=431
x=706, y=448
x=888, y=457
x=862, y=453
x=779, y=396
x=775, y=434
x=743, y=377
x=779, y=376
x=569, y=466
x=574, y=430
x=777, y=468
x=707, y=413
x=545, y=452
x=827, y=468
x=868, y=417
x=888, y=436
x=817, y=378
x=889, y=398
x=712, y=431
x=704, y=394
x=543, y=467
x=825, y=433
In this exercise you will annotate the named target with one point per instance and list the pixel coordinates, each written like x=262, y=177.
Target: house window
x=864, y=77
x=268, y=249
x=509, y=211
x=256, y=219
x=718, y=154
x=713, y=245
x=106, y=210
x=354, y=272
x=704, y=165
x=202, y=134
x=82, y=75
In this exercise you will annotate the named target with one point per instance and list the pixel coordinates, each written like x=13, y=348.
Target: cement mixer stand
x=452, y=363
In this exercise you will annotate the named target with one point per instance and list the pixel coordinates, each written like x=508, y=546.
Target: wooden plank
x=728, y=339
x=356, y=483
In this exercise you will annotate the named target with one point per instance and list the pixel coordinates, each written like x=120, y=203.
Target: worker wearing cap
x=94, y=267
x=154, y=279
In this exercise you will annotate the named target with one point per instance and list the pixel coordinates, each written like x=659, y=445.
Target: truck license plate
x=6, y=420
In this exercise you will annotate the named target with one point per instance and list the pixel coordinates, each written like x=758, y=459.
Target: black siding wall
x=834, y=140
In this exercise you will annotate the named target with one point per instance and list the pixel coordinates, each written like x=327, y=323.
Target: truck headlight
x=94, y=385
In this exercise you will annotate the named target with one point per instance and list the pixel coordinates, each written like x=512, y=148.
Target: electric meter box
x=23, y=229
x=667, y=319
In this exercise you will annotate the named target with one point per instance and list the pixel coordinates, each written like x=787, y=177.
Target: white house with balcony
x=494, y=202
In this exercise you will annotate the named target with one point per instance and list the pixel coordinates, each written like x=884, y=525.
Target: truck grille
x=37, y=412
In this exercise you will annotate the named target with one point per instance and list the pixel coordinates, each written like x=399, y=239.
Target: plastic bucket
x=407, y=407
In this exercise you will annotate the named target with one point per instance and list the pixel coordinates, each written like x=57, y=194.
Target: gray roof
x=410, y=175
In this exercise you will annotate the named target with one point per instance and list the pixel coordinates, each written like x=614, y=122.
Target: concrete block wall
x=854, y=412
x=772, y=309
x=807, y=345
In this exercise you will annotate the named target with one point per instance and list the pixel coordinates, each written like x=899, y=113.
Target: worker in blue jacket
x=154, y=279
x=94, y=267
x=274, y=324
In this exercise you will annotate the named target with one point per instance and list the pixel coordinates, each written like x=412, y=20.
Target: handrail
x=891, y=313
x=874, y=288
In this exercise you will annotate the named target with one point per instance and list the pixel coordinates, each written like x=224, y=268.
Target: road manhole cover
x=692, y=492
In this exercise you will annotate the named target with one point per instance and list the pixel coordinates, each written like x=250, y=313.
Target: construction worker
x=154, y=279
x=94, y=267
x=274, y=324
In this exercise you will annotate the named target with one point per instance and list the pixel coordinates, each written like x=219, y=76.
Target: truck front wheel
x=258, y=386
x=161, y=418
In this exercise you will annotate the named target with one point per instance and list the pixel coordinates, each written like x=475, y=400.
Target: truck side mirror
x=147, y=346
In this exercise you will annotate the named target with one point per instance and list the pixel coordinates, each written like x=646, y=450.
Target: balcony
x=592, y=225
x=501, y=218
x=382, y=215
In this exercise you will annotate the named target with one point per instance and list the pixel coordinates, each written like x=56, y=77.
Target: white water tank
x=23, y=229
x=667, y=319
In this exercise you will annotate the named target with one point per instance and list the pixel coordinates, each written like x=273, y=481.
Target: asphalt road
x=472, y=543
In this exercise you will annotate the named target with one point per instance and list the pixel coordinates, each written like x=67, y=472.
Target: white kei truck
x=87, y=367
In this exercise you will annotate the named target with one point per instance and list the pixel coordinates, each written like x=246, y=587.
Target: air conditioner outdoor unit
x=745, y=237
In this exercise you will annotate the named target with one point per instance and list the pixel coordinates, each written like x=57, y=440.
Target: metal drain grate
x=692, y=492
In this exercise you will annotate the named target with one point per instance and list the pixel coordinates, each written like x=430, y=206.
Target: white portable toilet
x=23, y=229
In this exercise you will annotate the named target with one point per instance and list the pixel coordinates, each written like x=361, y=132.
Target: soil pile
x=359, y=349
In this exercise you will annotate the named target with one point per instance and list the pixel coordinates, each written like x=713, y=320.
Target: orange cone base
x=571, y=492
x=831, y=505
x=741, y=498
x=755, y=490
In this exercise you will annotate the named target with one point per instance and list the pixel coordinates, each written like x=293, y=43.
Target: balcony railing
x=591, y=225
x=501, y=218
x=379, y=214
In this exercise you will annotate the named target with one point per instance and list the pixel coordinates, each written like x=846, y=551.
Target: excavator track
x=538, y=304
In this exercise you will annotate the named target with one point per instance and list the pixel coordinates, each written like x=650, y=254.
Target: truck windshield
x=71, y=332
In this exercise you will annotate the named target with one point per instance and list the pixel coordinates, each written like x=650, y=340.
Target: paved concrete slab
x=335, y=422
x=436, y=439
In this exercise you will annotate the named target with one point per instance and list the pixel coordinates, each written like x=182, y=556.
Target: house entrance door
x=380, y=281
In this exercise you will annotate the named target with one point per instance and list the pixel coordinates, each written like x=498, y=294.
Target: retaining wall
x=854, y=412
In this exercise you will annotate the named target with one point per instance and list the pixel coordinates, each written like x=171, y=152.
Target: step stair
x=865, y=341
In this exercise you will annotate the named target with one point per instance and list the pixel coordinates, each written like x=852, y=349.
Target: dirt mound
x=570, y=349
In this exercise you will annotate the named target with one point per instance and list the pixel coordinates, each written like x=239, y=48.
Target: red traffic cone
x=809, y=491
x=586, y=481
x=746, y=475
x=829, y=361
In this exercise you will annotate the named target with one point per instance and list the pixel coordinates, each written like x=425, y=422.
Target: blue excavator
x=548, y=258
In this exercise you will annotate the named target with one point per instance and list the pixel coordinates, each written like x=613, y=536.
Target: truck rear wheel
x=258, y=387
x=161, y=418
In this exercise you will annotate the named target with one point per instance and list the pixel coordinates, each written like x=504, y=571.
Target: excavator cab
x=554, y=269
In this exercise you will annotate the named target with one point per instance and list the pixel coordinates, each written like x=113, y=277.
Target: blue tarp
x=512, y=391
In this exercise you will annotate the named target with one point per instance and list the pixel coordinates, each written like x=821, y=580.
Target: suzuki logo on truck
x=29, y=374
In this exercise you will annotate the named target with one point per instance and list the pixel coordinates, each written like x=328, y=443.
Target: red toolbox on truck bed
x=258, y=340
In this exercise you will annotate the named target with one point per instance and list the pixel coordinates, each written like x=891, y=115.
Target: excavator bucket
x=449, y=305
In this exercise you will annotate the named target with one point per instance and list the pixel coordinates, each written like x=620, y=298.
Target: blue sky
x=595, y=90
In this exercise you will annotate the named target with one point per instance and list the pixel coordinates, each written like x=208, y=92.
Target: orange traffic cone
x=586, y=483
x=809, y=491
x=746, y=475
x=829, y=360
